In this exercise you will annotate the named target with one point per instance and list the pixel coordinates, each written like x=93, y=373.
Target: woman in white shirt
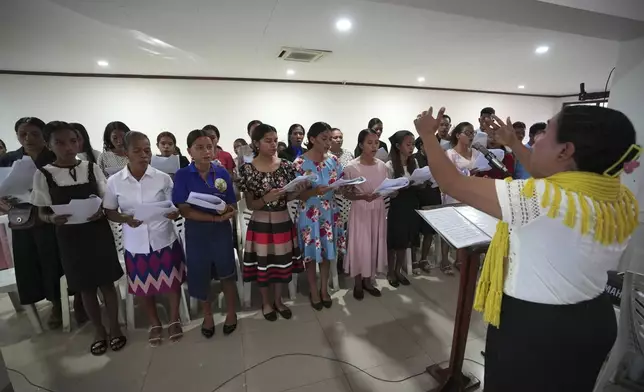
x=113, y=158
x=153, y=254
x=461, y=153
x=551, y=324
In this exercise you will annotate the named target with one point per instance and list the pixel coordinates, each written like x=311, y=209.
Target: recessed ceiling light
x=542, y=49
x=102, y=63
x=520, y=87
x=290, y=72
x=421, y=79
x=343, y=24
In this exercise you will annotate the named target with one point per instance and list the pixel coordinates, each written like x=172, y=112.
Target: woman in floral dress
x=321, y=232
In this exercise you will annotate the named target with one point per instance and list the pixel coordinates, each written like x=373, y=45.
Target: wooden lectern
x=463, y=228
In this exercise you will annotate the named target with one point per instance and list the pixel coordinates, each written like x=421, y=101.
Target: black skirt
x=553, y=348
x=403, y=222
x=88, y=255
x=37, y=264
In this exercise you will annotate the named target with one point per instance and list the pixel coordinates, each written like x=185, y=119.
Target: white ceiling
x=389, y=43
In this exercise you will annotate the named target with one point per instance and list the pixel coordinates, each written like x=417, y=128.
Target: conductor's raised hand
x=502, y=132
x=426, y=124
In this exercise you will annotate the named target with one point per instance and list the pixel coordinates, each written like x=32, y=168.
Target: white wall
x=182, y=105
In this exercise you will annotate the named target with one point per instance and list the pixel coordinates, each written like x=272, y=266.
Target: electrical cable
x=275, y=357
x=608, y=80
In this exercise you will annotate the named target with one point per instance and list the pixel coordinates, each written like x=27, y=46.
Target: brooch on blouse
x=221, y=185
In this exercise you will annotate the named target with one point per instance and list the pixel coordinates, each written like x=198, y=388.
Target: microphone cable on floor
x=276, y=357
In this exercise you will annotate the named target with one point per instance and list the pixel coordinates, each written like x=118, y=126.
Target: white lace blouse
x=549, y=262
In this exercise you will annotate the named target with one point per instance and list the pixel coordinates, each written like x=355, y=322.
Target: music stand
x=451, y=378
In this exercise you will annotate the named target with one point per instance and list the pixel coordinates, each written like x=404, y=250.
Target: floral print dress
x=321, y=231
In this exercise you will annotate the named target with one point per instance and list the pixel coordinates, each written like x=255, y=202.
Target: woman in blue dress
x=321, y=232
x=209, y=236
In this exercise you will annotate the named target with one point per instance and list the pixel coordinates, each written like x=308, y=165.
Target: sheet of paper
x=80, y=210
x=4, y=173
x=382, y=154
x=293, y=185
x=390, y=185
x=168, y=165
x=483, y=221
x=209, y=202
x=454, y=227
x=481, y=162
x=421, y=175
x=343, y=182
x=20, y=178
x=149, y=212
x=112, y=170
x=136, y=239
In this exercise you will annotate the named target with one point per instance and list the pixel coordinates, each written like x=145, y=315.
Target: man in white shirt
x=442, y=134
x=485, y=117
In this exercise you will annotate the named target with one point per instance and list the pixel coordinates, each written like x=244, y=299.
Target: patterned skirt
x=271, y=252
x=157, y=272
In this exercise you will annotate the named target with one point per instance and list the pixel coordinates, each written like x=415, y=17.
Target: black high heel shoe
x=228, y=329
x=327, y=303
x=207, y=332
x=317, y=306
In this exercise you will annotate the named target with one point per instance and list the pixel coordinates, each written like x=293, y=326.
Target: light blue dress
x=320, y=229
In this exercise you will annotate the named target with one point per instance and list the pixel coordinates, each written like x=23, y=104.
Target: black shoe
x=228, y=329
x=208, y=332
x=404, y=281
x=286, y=313
x=359, y=295
x=271, y=316
x=317, y=306
x=373, y=291
x=393, y=282
x=327, y=303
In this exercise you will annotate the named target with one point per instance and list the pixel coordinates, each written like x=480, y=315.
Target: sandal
x=175, y=337
x=117, y=343
x=98, y=348
x=155, y=340
x=415, y=268
x=447, y=270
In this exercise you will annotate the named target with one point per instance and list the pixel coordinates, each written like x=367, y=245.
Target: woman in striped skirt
x=271, y=253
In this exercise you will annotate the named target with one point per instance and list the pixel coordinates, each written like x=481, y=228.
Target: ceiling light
x=541, y=49
x=521, y=87
x=421, y=79
x=290, y=72
x=102, y=63
x=343, y=25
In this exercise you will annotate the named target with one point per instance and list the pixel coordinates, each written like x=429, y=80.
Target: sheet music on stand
x=461, y=226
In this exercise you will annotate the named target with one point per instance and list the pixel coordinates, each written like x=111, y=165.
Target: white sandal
x=156, y=341
x=177, y=336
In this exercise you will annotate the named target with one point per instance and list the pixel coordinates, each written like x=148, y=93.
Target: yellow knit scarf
x=615, y=212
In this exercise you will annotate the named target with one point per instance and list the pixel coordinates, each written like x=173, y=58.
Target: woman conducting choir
x=321, y=236
x=87, y=250
x=559, y=233
x=367, y=234
x=209, y=236
x=271, y=253
x=153, y=255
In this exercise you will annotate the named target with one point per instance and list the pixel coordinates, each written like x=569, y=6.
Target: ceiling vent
x=302, y=55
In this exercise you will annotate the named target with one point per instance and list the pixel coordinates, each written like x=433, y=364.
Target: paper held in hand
x=169, y=165
x=79, y=209
x=343, y=182
x=461, y=226
x=156, y=211
x=209, y=202
x=421, y=175
x=391, y=185
x=300, y=181
x=481, y=163
x=17, y=179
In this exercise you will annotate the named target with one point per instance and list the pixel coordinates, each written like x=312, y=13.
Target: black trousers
x=549, y=348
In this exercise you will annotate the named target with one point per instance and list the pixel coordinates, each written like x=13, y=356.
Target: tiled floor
x=393, y=337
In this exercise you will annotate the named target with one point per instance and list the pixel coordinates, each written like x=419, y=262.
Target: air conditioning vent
x=302, y=55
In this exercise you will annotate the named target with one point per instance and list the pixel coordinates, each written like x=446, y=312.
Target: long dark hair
x=35, y=121
x=363, y=135
x=394, y=154
x=107, y=135
x=373, y=122
x=87, y=145
x=453, y=137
